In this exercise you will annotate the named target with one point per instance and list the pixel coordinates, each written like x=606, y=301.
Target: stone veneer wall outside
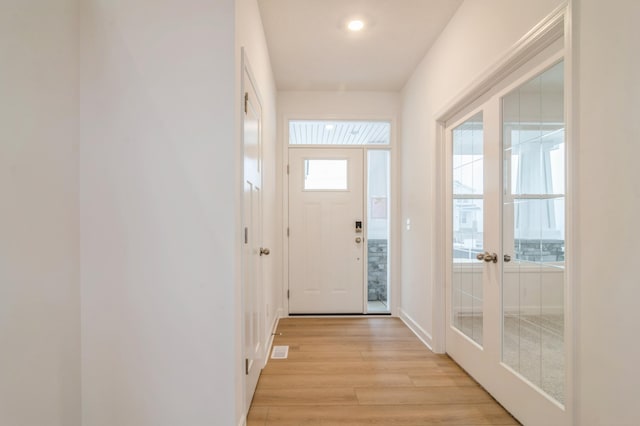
x=377, y=277
x=539, y=250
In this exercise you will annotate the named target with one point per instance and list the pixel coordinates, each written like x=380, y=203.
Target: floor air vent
x=280, y=352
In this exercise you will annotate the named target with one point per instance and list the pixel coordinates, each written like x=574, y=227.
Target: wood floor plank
x=352, y=366
x=295, y=355
x=257, y=416
x=366, y=371
x=405, y=415
x=292, y=381
x=421, y=353
x=422, y=395
x=441, y=379
x=363, y=347
x=304, y=396
x=328, y=330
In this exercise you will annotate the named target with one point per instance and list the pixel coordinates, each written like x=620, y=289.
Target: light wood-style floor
x=366, y=371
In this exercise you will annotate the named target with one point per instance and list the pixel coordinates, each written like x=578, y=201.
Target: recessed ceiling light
x=355, y=25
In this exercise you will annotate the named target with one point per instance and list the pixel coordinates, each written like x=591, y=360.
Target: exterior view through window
x=325, y=175
x=468, y=232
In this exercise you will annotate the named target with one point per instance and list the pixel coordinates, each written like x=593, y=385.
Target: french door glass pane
x=468, y=208
x=534, y=231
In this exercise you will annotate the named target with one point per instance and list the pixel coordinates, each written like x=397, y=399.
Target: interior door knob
x=264, y=251
x=488, y=257
x=358, y=240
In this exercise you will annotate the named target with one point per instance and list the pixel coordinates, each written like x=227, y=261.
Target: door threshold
x=374, y=314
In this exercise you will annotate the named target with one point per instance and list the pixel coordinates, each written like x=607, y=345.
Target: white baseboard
x=274, y=327
x=420, y=332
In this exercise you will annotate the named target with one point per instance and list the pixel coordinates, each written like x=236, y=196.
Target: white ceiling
x=311, y=49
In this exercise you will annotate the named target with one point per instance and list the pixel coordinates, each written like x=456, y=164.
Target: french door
x=506, y=221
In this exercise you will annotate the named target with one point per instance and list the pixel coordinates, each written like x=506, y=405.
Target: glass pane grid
x=468, y=211
x=534, y=231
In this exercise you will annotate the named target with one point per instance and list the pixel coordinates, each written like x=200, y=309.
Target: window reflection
x=534, y=231
x=468, y=227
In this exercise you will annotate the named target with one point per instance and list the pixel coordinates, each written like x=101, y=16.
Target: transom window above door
x=339, y=132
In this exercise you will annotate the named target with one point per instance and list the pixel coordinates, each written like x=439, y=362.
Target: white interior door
x=252, y=241
x=326, y=231
x=506, y=226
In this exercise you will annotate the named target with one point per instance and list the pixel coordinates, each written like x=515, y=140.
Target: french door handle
x=488, y=257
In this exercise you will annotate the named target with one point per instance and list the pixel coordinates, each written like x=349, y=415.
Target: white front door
x=252, y=240
x=506, y=226
x=326, y=231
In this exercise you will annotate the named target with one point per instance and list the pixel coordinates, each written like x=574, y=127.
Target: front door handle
x=488, y=257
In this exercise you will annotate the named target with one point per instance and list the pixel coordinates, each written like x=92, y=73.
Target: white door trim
x=555, y=27
x=395, y=194
x=247, y=78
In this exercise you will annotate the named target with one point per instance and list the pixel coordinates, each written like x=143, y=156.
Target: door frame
x=555, y=28
x=394, y=231
x=247, y=78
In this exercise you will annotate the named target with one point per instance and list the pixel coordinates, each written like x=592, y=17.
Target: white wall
x=250, y=36
x=480, y=33
x=608, y=205
x=159, y=216
x=338, y=104
x=39, y=287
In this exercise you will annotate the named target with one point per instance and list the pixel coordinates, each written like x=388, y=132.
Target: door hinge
x=288, y=293
x=246, y=366
x=246, y=101
x=287, y=169
x=246, y=235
